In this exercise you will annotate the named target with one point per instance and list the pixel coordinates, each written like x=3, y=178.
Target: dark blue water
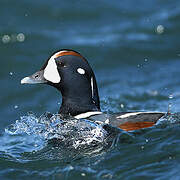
x=134, y=49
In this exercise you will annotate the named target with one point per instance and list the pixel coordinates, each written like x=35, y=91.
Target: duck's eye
x=62, y=64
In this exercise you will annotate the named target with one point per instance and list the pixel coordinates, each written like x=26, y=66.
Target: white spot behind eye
x=50, y=72
x=81, y=71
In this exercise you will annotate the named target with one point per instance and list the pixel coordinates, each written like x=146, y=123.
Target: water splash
x=169, y=120
x=171, y=96
x=71, y=131
x=160, y=29
x=52, y=137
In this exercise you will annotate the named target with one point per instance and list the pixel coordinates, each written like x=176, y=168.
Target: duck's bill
x=36, y=78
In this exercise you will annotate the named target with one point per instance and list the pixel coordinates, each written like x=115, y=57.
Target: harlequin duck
x=70, y=73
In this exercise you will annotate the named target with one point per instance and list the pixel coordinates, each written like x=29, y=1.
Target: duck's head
x=71, y=74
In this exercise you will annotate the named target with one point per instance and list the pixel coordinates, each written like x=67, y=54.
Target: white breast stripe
x=134, y=114
x=87, y=114
x=50, y=72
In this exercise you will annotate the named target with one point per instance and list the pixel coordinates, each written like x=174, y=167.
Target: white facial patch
x=51, y=72
x=81, y=71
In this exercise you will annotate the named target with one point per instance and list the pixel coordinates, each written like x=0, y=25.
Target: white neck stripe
x=92, y=87
x=87, y=114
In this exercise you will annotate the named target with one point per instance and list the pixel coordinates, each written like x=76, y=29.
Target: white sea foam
x=75, y=132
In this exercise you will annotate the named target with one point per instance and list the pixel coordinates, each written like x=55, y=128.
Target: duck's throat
x=76, y=106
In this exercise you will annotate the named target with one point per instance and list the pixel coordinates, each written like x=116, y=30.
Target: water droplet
x=83, y=174
x=145, y=60
x=6, y=39
x=160, y=29
x=11, y=73
x=153, y=92
x=171, y=96
x=170, y=157
x=122, y=105
x=169, y=109
x=69, y=168
x=20, y=37
x=16, y=106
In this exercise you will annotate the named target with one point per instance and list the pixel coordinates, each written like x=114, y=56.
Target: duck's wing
x=130, y=121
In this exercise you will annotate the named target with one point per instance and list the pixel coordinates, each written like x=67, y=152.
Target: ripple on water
x=51, y=135
x=47, y=144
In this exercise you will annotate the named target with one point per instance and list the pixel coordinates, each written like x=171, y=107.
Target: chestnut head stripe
x=65, y=53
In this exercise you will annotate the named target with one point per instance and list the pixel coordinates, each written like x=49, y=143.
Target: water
x=133, y=48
